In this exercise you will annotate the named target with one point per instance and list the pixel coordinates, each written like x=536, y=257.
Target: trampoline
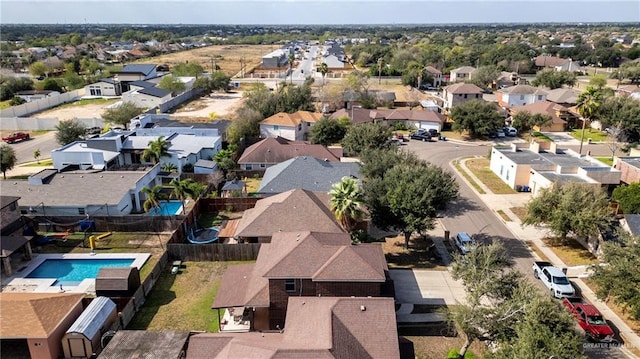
x=203, y=236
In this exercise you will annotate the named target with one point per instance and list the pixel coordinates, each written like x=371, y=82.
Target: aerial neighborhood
x=214, y=191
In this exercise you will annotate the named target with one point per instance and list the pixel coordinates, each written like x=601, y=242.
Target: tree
x=290, y=60
x=224, y=159
x=366, y=136
x=220, y=82
x=69, y=131
x=327, y=131
x=154, y=196
x=324, y=70
x=16, y=101
x=588, y=102
x=477, y=117
x=554, y=79
x=628, y=196
x=8, y=159
x=38, y=69
x=572, y=208
x=123, y=114
x=246, y=125
x=409, y=197
x=526, y=121
x=485, y=76
x=168, y=167
x=52, y=84
x=180, y=190
x=36, y=155
x=376, y=162
x=346, y=202
x=157, y=149
x=618, y=278
x=629, y=70
x=194, y=189
x=187, y=69
x=622, y=111
x=172, y=84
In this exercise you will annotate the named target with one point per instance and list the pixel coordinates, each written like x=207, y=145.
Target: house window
x=507, y=175
x=299, y=127
x=276, y=128
x=248, y=167
x=522, y=97
x=95, y=90
x=262, y=165
x=465, y=95
x=308, y=124
x=501, y=169
x=81, y=211
x=290, y=285
x=539, y=97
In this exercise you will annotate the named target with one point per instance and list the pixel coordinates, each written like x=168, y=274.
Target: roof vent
x=363, y=308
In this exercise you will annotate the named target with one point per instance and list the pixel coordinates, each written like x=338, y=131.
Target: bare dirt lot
x=226, y=57
x=223, y=105
x=76, y=110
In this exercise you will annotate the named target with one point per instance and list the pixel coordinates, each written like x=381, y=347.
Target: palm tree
x=157, y=149
x=346, y=202
x=154, y=195
x=195, y=190
x=180, y=189
x=588, y=103
x=169, y=167
x=324, y=69
x=290, y=61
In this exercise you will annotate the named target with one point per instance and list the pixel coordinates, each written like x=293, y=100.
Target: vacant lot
x=221, y=105
x=78, y=109
x=226, y=57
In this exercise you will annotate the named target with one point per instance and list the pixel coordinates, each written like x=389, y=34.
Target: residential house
x=436, y=75
x=356, y=115
x=275, y=59
x=299, y=263
x=629, y=90
x=460, y=74
x=316, y=327
x=32, y=324
x=543, y=164
x=520, y=95
x=9, y=214
x=294, y=210
x=117, y=149
x=631, y=224
x=413, y=119
x=567, y=97
x=570, y=66
x=104, y=87
x=274, y=150
x=33, y=95
x=629, y=168
x=559, y=114
x=460, y=93
x=544, y=61
x=308, y=173
x=506, y=79
x=111, y=193
x=292, y=126
x=139, y=85
x=165, y=344
x=135, y=72
x=147, y=97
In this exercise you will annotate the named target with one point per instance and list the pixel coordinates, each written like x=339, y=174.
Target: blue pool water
x=74, y=271
x=170, y=208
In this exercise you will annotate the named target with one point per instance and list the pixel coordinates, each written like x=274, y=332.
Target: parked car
x=16, y=136
x=554, y=279
x=510, y=131
x=590, y=320
x=420, y=136
x=500, y=134
x=463, y=242
x=433, y=132
x=92, y=130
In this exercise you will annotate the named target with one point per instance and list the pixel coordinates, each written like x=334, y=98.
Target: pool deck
x=19, y=283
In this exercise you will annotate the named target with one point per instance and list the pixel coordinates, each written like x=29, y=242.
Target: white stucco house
x=147, y=97
x=124, y=149
x=104, y=87
x=540, y=165
x=463, y=73
x=520, y=95
x=292, y=126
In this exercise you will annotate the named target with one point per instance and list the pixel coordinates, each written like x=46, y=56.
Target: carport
x=10, y=245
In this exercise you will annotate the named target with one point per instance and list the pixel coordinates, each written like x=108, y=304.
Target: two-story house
x=520, y=95
x=460, y=93
x=292, y=126
x=460, y=74
x=436, y=75
x=300, y=263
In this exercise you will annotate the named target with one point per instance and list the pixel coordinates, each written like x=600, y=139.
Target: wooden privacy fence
x=234, y=204
x=213, y=252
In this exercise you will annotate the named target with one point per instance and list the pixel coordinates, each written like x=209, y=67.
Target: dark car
x=421, y=136
x=92, y=130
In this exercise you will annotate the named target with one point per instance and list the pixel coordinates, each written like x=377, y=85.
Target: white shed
x=82, y=340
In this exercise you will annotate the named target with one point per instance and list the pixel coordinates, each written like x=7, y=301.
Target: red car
x=16, y=136
x=590, y=319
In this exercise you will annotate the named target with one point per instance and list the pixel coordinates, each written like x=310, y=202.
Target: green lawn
x=183, y=301
x=5, y=104
x=605, y=160
x=42, y=163
x=593, y=134
x=480, y=168
x=464, y=174
x=541, y=137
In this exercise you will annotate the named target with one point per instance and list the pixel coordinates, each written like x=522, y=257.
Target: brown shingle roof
x=563, y=95
x=544, y=108
x=416, y=115
x=357, y=115
x=274, y=150
x=549, y=61
x=295, y=210
x=523, y=90
x=292, y=119
x=316, y=327
x=463, y=88
x=34, y=315
x=433, y=70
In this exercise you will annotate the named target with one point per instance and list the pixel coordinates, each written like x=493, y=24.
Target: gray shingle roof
x=308, y=173
x=154, y=91
x=144, y=69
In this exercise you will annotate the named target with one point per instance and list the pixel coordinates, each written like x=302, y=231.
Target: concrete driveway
x=419, y=286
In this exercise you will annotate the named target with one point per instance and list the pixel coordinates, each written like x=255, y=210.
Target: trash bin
x=447, y=234
x=442, y=138
x=589, y=140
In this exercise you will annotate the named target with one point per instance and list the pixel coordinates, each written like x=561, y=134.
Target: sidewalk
x=535, y=235
x=25, y=169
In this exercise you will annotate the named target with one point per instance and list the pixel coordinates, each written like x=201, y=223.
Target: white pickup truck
x=554, y=279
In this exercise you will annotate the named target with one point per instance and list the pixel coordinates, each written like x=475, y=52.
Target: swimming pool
x=170, y=208
x=70, y=272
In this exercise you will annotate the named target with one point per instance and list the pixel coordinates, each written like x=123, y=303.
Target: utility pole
x=379, y=69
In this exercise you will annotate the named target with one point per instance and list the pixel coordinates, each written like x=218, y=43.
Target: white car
x=510, y=131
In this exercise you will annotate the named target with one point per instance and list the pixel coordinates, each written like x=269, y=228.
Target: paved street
x=470, y=213
x=46, y=142
x=305, y=67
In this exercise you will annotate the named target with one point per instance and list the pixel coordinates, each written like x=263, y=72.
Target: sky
x=329, y=12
